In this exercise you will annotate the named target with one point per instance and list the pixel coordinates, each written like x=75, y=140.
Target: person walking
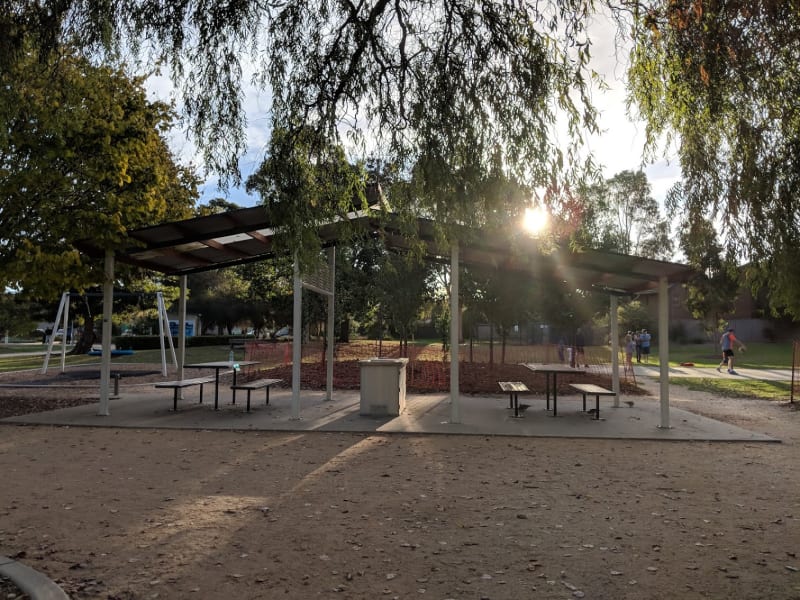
x=637, y=341
x=630, y=346
x=727, y=342
x=645, y=338
x=580, y=349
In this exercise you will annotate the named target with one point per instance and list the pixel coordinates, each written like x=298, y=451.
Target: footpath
x=744, y=372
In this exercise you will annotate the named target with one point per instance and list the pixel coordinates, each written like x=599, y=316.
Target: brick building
x=750, y=317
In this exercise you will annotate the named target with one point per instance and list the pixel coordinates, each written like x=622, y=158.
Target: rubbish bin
x=383, y=386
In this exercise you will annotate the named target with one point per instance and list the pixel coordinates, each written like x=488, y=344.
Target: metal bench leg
x=584, y=402
x=547, y=389
x=175, y=399
x=597, y=407
x=515, y=402
x=555, y=395
x=248, y=400
x=201, y=393
x=267, y=402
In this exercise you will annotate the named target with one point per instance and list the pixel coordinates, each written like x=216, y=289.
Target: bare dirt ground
x=130, y=514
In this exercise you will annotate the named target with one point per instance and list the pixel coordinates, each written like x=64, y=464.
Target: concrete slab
x=425, y=413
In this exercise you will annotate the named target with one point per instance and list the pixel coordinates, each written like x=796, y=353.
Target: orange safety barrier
x=428, y=366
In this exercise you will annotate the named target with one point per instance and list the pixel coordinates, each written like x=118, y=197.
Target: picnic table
x=513, y=389
x=553, y=370
x=219, y=365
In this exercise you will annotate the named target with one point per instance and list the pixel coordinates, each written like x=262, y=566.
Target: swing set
x=62, y=320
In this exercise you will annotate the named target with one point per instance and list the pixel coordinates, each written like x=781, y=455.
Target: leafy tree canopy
x=215, y=206
x=713, y=288
x=448, y=80
x=403, y=285
x=721, y=80
x=82, y=156
x=305, y=182
x=620, y=214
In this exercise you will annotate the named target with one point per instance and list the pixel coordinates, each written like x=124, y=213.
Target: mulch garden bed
x=434, y=376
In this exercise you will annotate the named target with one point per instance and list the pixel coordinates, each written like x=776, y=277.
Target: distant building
x=191, y=326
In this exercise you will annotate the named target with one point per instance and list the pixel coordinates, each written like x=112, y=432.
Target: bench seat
x=184, y=383
x=257, y=384
x=591, y=388
x=513, y=389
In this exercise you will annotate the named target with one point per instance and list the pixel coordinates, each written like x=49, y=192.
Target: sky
x=616, y=148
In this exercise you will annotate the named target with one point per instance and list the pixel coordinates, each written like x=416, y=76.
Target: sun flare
x=535, y=219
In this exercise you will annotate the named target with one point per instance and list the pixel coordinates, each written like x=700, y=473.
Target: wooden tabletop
x=513, y=386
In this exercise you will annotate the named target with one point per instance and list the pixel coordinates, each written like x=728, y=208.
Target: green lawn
x=757, y=356
x=22, y=347
x=34, y=359
x=737, y=388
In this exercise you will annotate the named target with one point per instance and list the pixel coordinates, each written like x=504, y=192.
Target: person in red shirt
x=727, y=342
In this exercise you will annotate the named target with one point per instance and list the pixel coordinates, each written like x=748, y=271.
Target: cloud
x=620, y=144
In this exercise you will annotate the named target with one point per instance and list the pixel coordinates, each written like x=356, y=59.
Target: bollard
x=116, y=377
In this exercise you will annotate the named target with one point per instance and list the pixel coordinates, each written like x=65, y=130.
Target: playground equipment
x=62, y=320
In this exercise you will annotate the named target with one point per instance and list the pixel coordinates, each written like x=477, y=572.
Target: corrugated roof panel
x=242, y=236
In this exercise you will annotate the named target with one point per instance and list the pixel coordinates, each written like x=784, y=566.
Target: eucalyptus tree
x=719, y=80
x=268, y=301
x=257, y=292
x=404, y=287
x=621, y=214
x=215, y=206
x=357, y=270
x=304, y=182
x=715, y=284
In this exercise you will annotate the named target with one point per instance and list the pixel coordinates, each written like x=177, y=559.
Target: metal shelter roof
x=244, y=235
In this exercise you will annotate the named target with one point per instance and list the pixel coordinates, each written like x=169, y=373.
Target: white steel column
x=65, y=328
x=331, y=323
x=105, y=362
x=159, y=305
x=64, y=303
x=663, y=349
x=455, y=399
x=163, y=329
x=181, y=328
x=612, y=319
x=297, y=332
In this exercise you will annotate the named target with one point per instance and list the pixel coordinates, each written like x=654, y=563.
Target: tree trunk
x=88, y=336
x=491, y=343
x=344, y=330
